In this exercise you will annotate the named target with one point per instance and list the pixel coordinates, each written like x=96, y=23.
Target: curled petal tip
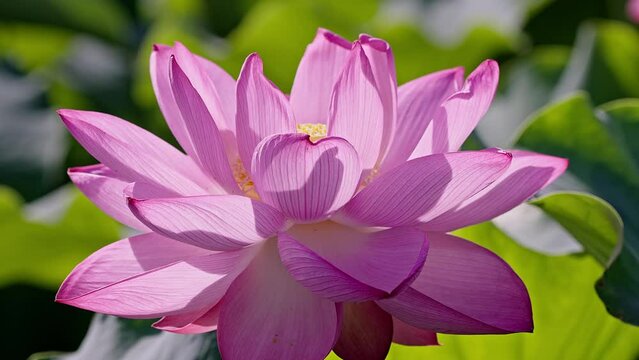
x=376, y=43
x=254, y=57
x=491, y=63
x=87, y=169
x=66, y=115
x=63, y=114
x=499, y=150
x=173, y=67
x=507, y=153
x=333, y=38
x=160, y=47
x=363, y=37
x=324, y=32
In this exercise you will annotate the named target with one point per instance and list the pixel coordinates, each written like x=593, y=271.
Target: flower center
x=244, y=180
x=315, y=130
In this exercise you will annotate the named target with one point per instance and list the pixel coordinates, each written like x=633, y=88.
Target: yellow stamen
x=315, y=130
x=244, y=180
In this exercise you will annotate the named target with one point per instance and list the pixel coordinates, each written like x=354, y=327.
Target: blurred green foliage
x=26, y=252
x=94, y=55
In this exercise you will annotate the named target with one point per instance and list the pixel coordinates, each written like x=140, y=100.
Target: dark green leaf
x=590, y=220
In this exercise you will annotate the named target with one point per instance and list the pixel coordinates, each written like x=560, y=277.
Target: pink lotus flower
x=296, y=226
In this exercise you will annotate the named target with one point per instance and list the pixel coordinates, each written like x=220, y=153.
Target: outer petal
x=307, y=181
x=316, y=75
x=201, y=130
x=528, y=173
x=356, y=111
x=424, y=188
x=206, y=86
x=159, y=66
x=123, y=259
x=409, y=335
x=461, y=112
x=200, y=127
x=366, y=333
x=267, y=315
x=346, y=264
x=191, y=323
x=262, y=110
x=382, y=63
x=224, y=86
x=107, y=190
x=320, y=276
x=463, y=289
x=148, y=276
x=221, y=84
x=222, y=222
x=418, y=101
x=135, y=154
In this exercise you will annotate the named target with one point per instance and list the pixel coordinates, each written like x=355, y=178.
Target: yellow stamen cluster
x=315, y=130
x=244, y=180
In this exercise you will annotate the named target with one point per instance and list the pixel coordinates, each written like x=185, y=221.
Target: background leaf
x=590, y=220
